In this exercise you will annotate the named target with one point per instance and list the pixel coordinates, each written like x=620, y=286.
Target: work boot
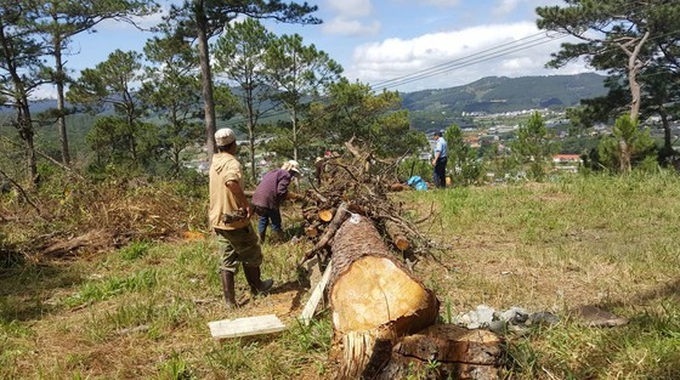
x=227, y=278
x=253, y=276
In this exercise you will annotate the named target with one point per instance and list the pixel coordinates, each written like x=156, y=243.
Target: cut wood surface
x=326, y=215
x=369, y=287
x=312, y=231
x=333, y=227
x=234, y=328
x=317, y=294
x=374, y=299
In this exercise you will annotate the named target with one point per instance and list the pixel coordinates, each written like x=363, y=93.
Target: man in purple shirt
x=270, y=194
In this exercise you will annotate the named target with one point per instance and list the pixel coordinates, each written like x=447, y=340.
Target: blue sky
x=377, y=41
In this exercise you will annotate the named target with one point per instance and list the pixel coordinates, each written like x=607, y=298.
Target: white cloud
x=44, y=92
x=350, y=27
x=505, y=6
x=443, y=3
x=460, y=57
x=351, y=8
x=145, y=22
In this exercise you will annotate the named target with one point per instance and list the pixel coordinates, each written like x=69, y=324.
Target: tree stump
x=374, y=299
x=445, y=352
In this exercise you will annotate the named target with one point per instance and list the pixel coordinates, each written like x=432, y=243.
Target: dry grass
x=141, y=311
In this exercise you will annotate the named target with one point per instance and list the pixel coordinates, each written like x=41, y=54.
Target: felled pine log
x=397, y=235
x=374, y=299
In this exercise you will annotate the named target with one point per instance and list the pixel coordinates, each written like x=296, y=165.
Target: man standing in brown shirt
x=229, y=216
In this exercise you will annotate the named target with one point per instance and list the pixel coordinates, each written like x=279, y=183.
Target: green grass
x=142, y=311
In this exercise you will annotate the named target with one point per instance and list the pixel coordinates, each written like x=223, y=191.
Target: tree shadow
x=25, y=289
x=292, y=286
x=641, y=323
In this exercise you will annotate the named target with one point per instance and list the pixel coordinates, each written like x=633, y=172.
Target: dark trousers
x=267, y=215
x=439, y=174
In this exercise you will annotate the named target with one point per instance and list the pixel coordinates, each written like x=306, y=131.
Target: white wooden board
x=313, y=302
x=234, y=328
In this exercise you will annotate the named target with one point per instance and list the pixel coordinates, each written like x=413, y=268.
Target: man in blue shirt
x=439, y=160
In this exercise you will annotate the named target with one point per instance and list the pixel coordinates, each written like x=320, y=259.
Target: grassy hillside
x=141, y=312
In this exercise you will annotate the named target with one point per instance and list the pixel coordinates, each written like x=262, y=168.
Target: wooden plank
x=234, y=328
x=313, y=302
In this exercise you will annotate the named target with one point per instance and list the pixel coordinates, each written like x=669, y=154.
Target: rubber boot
x=253, y=276
x=262, y=235
x=227, y=278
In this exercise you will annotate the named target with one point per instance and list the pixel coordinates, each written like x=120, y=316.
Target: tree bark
x=397, y=235
x=667, y=135
x=206, y=79
x=61, y=117
x=374, y=299
x=633, y=69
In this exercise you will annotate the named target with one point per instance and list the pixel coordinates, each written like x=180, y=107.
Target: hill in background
x=434, y=108
x=502, y=94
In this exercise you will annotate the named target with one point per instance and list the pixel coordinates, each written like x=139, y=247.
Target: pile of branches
x=65, y=218
x=358, y=182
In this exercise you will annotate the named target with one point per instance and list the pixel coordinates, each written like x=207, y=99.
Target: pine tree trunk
x=375, y=300
x=206, y=80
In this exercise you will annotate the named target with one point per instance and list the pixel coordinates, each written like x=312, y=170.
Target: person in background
x=270, y=194
x=229, y=217
x=439, y=161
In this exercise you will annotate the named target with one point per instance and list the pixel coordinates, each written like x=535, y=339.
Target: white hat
x=292, y=166
x=224, y=136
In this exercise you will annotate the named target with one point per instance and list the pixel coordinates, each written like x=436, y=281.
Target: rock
x=543, y=318
x=485, y=315
x=593, y=316
x=499, y=327
x=514, y=315
x=482, y=316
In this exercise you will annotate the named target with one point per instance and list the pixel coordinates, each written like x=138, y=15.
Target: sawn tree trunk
x=375, y=300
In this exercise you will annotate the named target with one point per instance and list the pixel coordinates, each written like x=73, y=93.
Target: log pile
x=362, y=183
x=384, y=318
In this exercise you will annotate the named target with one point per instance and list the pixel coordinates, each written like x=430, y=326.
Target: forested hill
x=490, y=94
x=501, y=94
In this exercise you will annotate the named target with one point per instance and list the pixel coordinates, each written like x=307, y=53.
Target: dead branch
x=339, y=217
x=426, y=217
x=23, y=193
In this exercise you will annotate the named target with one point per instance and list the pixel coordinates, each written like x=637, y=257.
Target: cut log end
x=376, y=291
x=402, y=244
x=326, y=215
x=311, y=232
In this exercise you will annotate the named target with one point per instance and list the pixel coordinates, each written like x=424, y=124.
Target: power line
x=473, y=60
x=483, y=53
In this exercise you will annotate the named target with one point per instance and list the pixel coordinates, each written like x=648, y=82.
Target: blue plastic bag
x=417, y=183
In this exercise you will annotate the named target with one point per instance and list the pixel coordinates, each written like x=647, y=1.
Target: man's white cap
x=292, y=166
x=224, y=136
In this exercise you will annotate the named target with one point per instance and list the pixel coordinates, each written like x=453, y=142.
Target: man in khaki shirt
x=229, y=217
